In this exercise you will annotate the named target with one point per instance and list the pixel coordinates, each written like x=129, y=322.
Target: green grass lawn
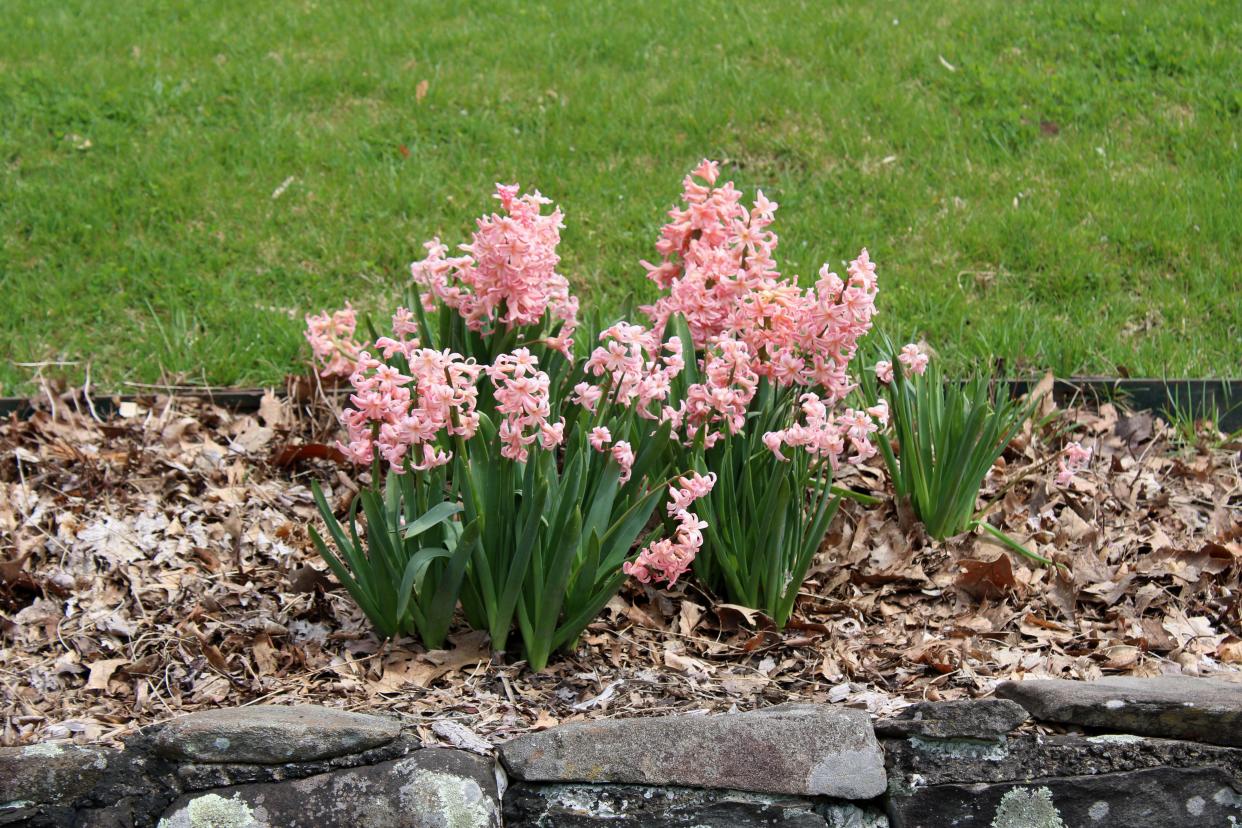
x=1054, y=183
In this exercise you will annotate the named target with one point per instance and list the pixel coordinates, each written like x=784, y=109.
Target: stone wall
x=1151, y=752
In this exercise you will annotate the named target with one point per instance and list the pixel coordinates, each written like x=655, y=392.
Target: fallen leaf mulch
x=157, y=562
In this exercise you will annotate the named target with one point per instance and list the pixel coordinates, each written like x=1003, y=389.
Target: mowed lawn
x=1055, y=184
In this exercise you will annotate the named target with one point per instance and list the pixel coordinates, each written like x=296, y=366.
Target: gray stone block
x=578, y=805
x=428, y=789
x=809, y=750
x=965, y=719
x=1154, y=798
x=49, y=773
x=1178, y=707
x=918, y=761
x=269, y=734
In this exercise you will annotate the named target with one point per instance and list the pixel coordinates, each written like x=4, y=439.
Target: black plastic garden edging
x=1200, y=396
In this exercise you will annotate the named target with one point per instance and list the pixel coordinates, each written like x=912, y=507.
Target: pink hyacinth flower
x=599, y=438
x=914, y=358
x=624, y=455
x=1074, y=459
x=773, y=441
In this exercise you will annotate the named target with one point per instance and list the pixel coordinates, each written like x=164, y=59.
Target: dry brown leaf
x=1043, y=392
x=744, y=685
x=288, y=455
x=688, y=617
x=684, y=664
x=544, y=720
x=985, y=580
x=254, y=438
x=274, y=411
x=1120, y=656
x=264, y=655
x=733, y=616
x=101, y=672
x=1230, y=650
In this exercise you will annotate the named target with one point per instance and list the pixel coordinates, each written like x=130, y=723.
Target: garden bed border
x=1144, y=394
x=1163, y=751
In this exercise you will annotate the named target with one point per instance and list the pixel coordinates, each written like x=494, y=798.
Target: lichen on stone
x=1022, y=808
x=449, y=801
x=899, y=785
x=984, y=749
x=846, y=815
x=213, y=811
x=1116, y=739
x=45, y=750
x=584, y=799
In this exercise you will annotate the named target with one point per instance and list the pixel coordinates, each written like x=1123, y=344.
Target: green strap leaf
x=433, y=516
x=414, y=570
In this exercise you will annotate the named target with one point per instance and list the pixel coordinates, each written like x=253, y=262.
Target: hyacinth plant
x=557, y=465
x=407, y=574
x=948, y=436
x=758, y=407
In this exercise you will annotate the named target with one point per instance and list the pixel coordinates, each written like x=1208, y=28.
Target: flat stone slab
x=918, y=762
x=272, y=734
x=983, y=719
x=578, y=805
x=1154, y=798
x=805, y=750
x=199, y=776
x=49, y=773
x=1179, y=707
x=431, y=788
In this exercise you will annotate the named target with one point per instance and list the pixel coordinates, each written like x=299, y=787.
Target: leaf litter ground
x=157, y=562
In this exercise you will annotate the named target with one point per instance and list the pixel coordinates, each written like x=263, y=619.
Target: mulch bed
x=157, y=562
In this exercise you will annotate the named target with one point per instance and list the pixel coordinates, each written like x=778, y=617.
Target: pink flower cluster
x=914, y=357
x=718, y=268
x=1073, y=460
x=825, y=435
x=668, y=559
x=703, y=251
x=747, y=324
x=721, y=400
x=522, y=397
x=622, y=452
x=508, y=275
x=403, y=417
x=331, y=337
x=405, y=336
x=623, y=456
x=634, y=369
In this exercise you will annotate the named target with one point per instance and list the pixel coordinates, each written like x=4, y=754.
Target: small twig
x=86, y=395
x=51, y=398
